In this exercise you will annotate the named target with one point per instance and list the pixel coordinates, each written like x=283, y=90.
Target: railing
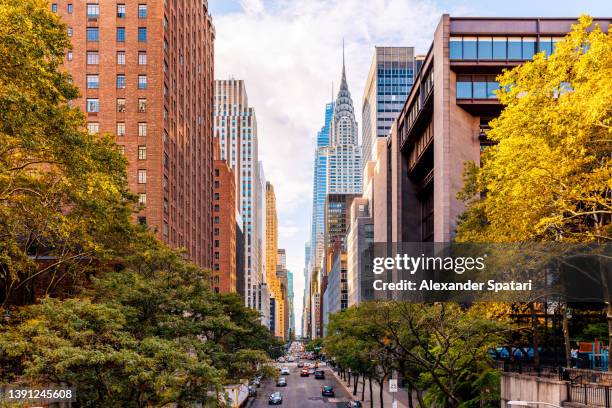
x=591, y=395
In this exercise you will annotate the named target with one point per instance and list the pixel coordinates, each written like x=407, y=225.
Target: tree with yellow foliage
x=548, y=176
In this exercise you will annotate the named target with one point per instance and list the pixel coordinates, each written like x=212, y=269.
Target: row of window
x=499, y=48
x=93, y=82
x=476, y=87
x=93, y=58
x=93, y=34
x=94, y=128
x=93, y=10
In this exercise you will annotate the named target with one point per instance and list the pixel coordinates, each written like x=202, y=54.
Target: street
x=302, y=392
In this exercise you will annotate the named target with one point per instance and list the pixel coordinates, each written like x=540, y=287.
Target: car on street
x=281, y=382
x=300, y=364
x=354, y=404
x=276, y=398
x=252, y=391
x=327, y=391
x=256, y=382
x=304, y=373
x=281, y=359
x=285, y=371
x=320, y=375
x=311, y=370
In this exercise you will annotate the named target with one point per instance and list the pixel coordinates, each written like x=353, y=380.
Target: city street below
x=302, y=392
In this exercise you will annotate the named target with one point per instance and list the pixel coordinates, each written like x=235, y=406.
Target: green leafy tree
x=64, y=203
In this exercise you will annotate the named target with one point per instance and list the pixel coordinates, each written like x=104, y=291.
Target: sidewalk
x=401, y=396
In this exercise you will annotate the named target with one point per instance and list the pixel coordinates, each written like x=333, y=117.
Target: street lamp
x=528, y=403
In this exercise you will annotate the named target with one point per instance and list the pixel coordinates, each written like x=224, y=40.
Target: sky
x=289, y=52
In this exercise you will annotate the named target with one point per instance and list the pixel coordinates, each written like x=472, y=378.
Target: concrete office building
x=283, y=299
x=389, y=81
x=360, y=237
x=236, y=129
x=290, y=298
x=259, y=252
x=145, y=72
x=444, y=121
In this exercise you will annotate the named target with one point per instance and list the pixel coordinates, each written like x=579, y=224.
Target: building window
x=120, y=105
x=93, y=128
x=142, y=105
x=142, y=152
x=93, y=58
x=69, y=56
x=142, y=199
x=120, y=128
x=54, y=7
x=142, y=176
x=69, y=31
x=93, y=10
x=69, y=8
x=93, y=81
x=142, y=11
x=142, y=220
x=121, y=81
x=120, y=10
x=495, y=48
x=142, y=58
x=120, y=57
x=93, y=34
x=93, y=105
x=142, y=129
x=120, y=34
x=142, y=34
x=121, y=149
x=142, y=82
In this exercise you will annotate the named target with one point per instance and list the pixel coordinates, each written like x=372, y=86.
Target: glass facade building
x=390, y=79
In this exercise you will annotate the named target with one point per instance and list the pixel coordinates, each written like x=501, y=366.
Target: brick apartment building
x=145, y=71
x=224, y=278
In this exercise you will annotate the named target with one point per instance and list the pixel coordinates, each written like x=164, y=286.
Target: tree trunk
x=410, y=396
x=380, y=391
x=363, y=387
x=371, y=394
x=566, y=339
x=355, y=383
x=349, y=378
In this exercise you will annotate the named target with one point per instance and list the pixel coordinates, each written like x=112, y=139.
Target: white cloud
x=289, y=52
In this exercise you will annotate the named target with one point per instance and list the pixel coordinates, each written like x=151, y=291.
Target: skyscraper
x=389, y=82
x=236, y=129
x=344, y=155
x=290, y=297
x=319, y=190
x=271, y=256
x=155, y=96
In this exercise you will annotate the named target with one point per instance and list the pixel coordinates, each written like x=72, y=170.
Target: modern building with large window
x=145, y=71
x=236, y=129
x=445, y=119
x=390, y=79
x=319, y=189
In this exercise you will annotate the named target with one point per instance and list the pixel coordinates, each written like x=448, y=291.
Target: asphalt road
x=301, y=392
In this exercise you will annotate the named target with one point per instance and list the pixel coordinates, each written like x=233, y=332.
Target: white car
x=285, y=371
